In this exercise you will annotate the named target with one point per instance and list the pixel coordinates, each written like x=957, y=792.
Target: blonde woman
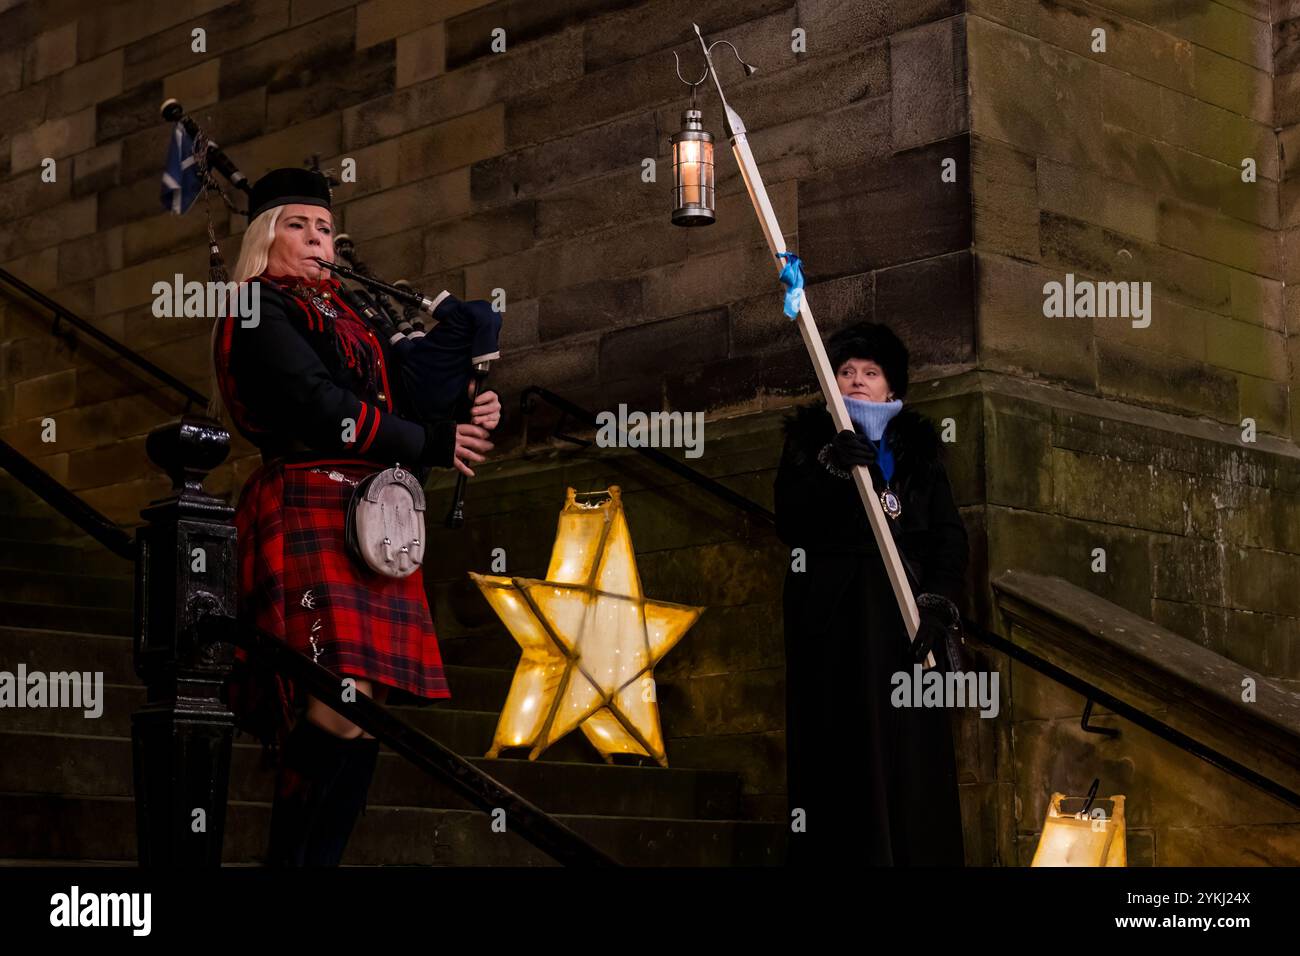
x=309, y=383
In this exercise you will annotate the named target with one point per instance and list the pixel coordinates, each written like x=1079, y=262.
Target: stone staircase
x=66, y=780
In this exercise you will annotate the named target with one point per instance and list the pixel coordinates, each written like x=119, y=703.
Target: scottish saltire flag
x=180, y=179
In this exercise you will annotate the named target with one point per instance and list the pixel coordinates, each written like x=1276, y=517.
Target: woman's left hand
x=486, y=412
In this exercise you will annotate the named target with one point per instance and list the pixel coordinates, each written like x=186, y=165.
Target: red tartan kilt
x=297, y=581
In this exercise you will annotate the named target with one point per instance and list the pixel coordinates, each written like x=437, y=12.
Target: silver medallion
x=889, y=501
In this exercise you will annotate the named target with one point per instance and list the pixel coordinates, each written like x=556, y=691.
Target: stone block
x=637, y=30
x=529, y=172
x=52, y=52
x=461, y=141
x=48, y=228
x=604, y=304
x=1018, y=454
x=44, y=395
x=87, y=84
x=1061, y=546
x=127, y=203
x=26, y=194
x=1004, y=199
x=1257, y=300
x=1168, y=381
x=489, y=235
x=380, y=20
x=498, y=79
x=96, y=169
x=120, y=290
x=840, y=214
x=928, y=83
x=229, y=27
x=469, y=36
x=1083, y=195
x=655, y=346
x=1257, y=580
x=1221, y=239
x=105, y=28
x=130, y=112
x=1016, y=336
x=1081, y=247
x=930, y=304
x=22, y=110
x=91, y=256
x=1057, y=115
x=421, y=55
x=709, y=281
x=196, y=86
x=1178, y=119
x=55, y=138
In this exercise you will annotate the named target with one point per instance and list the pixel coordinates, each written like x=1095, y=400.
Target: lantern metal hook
x=703, y=76
x=1092, y=795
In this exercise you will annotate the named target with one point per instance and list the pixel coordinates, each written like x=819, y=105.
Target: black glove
x=849, y=449
x=937, y=615
x=931, y=631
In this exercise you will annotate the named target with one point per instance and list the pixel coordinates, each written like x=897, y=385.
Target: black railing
x=653, y=454
x=95, y=524
x=62, y=314
x=487, y=793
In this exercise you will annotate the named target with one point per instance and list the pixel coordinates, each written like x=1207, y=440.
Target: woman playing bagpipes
x=312, y=385
x=876, y=784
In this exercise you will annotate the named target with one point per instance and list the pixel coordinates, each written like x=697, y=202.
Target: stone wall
x=479, y=170
x=1127, y=165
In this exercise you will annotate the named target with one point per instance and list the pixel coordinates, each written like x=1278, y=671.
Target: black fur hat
x=874, y=341
x=287, y=185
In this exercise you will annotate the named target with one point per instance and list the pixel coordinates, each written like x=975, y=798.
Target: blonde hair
x=253, y=254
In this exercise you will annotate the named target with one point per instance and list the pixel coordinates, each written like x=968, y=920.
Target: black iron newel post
x=181, y=738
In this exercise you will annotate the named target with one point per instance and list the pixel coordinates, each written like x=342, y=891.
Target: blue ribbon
x=792, y=276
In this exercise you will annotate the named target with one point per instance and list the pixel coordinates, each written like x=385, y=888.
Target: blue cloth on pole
x=871, y=419
x=792, y=276
x=180, y=178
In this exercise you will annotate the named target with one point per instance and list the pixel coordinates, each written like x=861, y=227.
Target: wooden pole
x=812, y=340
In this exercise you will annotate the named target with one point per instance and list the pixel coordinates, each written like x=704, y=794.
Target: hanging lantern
x=1087, y=837
x=590, y=640
x=693, y=197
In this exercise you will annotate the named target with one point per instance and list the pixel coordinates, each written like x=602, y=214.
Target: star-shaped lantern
x=589, y=637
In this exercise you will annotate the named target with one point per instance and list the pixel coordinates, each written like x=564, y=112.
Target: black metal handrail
x=95, y=524
x=528, y=820
x=1135, y=715
x=61, y=313
x=667, y=461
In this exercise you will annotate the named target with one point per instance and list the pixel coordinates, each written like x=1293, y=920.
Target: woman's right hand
x=472, y=444
x=849, y=449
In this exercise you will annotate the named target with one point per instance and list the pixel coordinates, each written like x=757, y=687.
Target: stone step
x=494, y=648
x=33, y=586
x=92, y=559
x=46, y=526
x=475, y=688
x=49, y=650
x=57, y=827
x=87, y=765
x=67, y=617
x=465, y=731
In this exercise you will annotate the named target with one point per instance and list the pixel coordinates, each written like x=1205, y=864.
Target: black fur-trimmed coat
x=877, y=783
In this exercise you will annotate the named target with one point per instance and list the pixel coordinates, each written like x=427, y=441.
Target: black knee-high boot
x=343, y=804
x=312, y=761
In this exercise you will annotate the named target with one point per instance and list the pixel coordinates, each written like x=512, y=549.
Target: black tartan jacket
x=820, y=512
x=291, y=381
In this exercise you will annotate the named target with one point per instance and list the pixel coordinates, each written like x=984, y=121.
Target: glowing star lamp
x=1083, y=838
x=590, y=640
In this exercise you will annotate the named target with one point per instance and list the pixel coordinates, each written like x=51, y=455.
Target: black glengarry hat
x=287, y=185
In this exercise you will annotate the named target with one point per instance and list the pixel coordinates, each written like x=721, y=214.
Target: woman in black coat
x=876, y=784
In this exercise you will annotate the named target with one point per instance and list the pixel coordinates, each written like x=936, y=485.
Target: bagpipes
x=436, y=365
